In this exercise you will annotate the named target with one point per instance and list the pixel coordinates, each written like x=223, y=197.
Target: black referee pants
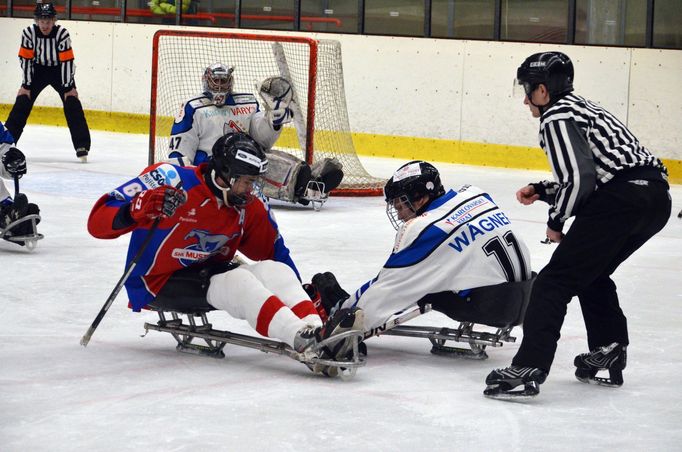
x=73, y=110
x=617, y=219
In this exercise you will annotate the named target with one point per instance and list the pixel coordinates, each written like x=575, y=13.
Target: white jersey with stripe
x=200, y=123
x=462, y=241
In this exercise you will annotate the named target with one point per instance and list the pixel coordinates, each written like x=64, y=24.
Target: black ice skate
x=611, y=358
x=18, y=222
x=501, y=382
x=82, y=154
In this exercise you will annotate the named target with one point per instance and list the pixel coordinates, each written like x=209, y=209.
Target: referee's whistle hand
x=527, y=195
x=554, y=236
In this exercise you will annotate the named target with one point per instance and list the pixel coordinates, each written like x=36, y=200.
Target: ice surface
x=124, y=392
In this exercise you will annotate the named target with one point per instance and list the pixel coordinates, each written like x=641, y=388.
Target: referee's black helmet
x=553, y=69
x=45, y=10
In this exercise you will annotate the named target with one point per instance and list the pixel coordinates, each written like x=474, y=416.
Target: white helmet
x=217, y=83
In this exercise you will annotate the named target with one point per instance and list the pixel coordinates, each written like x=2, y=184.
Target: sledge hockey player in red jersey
x=18, y=217
x=448, y=244
x=218, y=110
x=206, y=214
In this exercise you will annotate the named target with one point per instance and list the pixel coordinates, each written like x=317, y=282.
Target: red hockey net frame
x=357, y=181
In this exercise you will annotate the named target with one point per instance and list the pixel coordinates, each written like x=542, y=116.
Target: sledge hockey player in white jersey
x=18, y=217
x=447, y=244
x=218, y=111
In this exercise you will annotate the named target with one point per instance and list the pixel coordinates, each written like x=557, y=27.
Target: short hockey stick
x=119, y=285
x=88, y=334
x=399, y=320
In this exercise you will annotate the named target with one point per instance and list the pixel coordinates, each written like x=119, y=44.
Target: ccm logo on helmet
x=538, y=63
x=249, y=158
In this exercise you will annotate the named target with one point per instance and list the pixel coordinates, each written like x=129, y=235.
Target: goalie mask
x=217, y=83
x=408, y=186
x=239, y=161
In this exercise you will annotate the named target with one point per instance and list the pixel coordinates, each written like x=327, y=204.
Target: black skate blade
x=530, y=390
x=202, y=350
x=614, y=380
x=457, y=353
x=599, y=381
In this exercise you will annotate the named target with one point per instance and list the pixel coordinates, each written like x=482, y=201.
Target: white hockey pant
x=268, y=296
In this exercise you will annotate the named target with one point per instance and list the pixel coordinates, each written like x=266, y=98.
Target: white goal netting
x=321, y=127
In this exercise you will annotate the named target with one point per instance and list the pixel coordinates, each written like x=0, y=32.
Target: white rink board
x=431, y=88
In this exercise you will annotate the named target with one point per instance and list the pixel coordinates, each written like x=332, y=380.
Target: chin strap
x=543, y=108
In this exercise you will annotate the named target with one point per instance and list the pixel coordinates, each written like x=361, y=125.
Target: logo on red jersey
x=206, y=246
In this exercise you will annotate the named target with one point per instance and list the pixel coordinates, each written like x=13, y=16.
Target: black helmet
x=411, y=182
x=44, y=10
x=553, y=69
x=414, y=180
x=235, y=155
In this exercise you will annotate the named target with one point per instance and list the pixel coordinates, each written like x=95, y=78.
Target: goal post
x=320, y=128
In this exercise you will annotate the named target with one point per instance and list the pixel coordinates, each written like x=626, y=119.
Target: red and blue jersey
x=202, y=230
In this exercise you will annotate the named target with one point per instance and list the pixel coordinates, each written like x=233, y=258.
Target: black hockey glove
x=14, y=162
x=331, y=294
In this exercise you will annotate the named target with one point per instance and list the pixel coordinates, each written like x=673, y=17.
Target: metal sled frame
x=30, y=241
x=314, y=193
x=215, y=341
x=476, y=340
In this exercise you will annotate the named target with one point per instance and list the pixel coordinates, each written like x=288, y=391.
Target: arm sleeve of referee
x=65, y=52
x=26, y=55
x=573, y=168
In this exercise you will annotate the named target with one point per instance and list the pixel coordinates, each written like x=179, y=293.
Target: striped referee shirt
x=52, y=50
x=586, y=147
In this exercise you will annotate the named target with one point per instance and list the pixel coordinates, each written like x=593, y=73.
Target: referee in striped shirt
x=618, y=193
x=46, y=59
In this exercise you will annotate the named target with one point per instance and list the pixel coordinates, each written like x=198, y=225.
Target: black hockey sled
x=502, y=306
x=29, y=240
x=198, y=336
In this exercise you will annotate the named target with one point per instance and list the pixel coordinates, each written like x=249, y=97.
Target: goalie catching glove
x=277, y=94
x=157, y=202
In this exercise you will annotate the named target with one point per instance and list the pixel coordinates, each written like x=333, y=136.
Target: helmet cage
x=393, y=214
x=409, y=183
x=217, y=83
